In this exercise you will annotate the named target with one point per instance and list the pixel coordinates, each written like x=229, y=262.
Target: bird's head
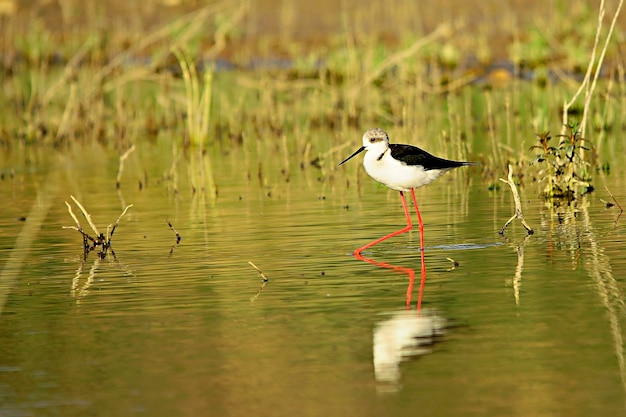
x=375, y=138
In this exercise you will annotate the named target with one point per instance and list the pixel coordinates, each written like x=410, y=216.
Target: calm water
x=519, y=327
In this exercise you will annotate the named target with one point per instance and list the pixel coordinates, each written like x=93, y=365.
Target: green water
x=532, y=326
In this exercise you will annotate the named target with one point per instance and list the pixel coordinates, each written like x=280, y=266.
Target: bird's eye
x=372, y=140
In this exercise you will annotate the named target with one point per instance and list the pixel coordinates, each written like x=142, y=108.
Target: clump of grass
x=566, y=170
x=197, y=98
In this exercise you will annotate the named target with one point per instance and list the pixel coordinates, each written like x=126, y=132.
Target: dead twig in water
x=454, y=264
x=621, y=210
x=111, y=228
x=85, y=214
x=178, y=237
x=609, y=205
x=518, y=204
x=102, y=241
x=118, y=181
x=265, y=281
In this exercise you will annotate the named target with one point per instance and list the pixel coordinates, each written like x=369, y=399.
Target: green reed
x=198, y=98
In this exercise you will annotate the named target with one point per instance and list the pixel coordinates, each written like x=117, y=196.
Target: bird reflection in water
x=403, y=334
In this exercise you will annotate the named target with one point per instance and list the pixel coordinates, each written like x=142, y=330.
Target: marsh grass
x=198, y=96
x=435, y=88
x=59, y=96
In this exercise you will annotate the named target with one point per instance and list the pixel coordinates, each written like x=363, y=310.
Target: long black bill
x=358, y=151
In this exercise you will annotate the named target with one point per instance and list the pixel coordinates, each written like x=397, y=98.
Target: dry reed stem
x=621, y=210
x=587, y=85
x=614, y=199
x=78, y=226
x=258, y=292
x=86, y=215
x=591, y=89
x=178, y=237
x=518, y=204
x=123, y=157
x=110, y=235
x=263, y=284
x=265, y=279
x=67, y=113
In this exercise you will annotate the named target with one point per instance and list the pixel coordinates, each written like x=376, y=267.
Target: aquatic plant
x=566, y=170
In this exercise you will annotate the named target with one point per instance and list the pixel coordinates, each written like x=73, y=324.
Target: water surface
x=522, y=326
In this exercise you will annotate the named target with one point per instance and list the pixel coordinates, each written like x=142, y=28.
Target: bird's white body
x=400, y=167
x=394, y=173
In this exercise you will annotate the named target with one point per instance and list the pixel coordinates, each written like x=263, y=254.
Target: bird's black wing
x=412, y=155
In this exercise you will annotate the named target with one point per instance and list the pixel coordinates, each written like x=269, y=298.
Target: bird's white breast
x=396, y=174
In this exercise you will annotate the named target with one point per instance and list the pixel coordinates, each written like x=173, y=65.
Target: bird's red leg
x=408, y=227
x=421, y=227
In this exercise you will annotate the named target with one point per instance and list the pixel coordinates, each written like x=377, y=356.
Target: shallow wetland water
x=239, y=113
x=521, y=326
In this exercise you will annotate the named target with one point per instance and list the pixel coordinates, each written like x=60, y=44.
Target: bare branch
x=69, y=209
x=86, y=214
x=117, y=221
x=518, y=204
x=265, y=279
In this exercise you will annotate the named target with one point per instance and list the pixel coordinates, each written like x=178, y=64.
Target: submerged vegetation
x=208, y=79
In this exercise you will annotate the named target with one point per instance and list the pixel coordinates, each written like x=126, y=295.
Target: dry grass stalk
x=621, y=210
x=85, y=214
x=263, y=284
x=178, y=237
x=126, y=154
x=608, y=205
x=265, y=279
x=588, y=85
x=112, y=229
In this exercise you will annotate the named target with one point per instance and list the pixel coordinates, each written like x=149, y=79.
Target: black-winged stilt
x=402, y=168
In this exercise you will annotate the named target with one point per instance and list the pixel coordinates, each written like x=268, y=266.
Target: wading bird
x=402, y=168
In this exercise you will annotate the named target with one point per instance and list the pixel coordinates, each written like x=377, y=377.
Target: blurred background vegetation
x=466, y=79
